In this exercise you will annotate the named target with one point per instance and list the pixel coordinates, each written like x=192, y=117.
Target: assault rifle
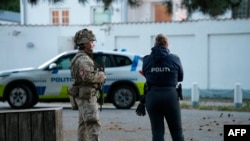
x=101, y=85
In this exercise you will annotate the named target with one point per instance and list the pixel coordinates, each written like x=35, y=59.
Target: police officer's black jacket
x=162, y=68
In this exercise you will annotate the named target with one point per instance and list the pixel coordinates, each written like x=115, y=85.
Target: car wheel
x=20, y=96
x=34, y=102
x=124, y=97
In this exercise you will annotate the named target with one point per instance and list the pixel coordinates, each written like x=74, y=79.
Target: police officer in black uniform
x=163, y=71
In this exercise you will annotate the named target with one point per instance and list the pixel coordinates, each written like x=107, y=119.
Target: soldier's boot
x=94, y=138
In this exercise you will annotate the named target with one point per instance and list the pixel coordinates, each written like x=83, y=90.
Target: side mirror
x=52, y=66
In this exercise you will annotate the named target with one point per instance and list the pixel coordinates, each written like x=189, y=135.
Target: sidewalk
x=185, y=104
x=211, y=102
x=125, y=125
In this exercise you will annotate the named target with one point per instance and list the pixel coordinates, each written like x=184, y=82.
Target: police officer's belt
x=161, y=85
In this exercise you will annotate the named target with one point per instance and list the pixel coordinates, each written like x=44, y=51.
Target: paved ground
x=125, y=125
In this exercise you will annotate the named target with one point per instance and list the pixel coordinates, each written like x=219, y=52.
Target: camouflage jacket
x=85, y=75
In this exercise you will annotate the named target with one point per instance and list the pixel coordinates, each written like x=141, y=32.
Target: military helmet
x=84, y=36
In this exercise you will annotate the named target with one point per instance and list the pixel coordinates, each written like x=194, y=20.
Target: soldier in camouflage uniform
x=86, y=78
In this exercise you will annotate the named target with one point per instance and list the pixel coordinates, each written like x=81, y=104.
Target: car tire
x=34, y=101
x=123, y=97
x=20, y=97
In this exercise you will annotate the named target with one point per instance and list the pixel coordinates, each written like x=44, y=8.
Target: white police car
x=23, y=88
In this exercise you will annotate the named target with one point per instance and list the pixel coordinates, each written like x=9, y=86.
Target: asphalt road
x=125, y=125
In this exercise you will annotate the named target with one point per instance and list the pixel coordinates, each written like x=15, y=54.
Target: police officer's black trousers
x=162, y=103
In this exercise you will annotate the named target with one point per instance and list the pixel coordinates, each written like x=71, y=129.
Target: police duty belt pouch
x=73, y=91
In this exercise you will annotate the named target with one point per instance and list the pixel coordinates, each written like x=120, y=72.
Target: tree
x=10, y=5
x=212, y=8
x=14, y=5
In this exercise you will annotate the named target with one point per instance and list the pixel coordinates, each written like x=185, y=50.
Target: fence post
x=195, y=94
x=237, y=95
x=44, y=124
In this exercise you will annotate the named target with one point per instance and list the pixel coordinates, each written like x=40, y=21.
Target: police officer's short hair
x=161, y=40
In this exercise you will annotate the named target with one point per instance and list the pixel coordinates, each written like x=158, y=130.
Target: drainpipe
x=24, y=13
x=174, y=10
x=125, y=10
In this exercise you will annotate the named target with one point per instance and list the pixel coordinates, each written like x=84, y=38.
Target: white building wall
x=214, y=53
x=23, y=46
x=7, y=22
x=79, y=13
x=83, y=14
x=199, y=15
x=146, y=12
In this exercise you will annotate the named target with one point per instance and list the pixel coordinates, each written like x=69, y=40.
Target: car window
x=108, y=61
x=64, y=62
x=122, y=60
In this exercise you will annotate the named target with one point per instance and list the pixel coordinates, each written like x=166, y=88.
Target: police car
x=24, y=88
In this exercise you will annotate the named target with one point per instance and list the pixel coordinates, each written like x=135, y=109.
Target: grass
x=204, y=105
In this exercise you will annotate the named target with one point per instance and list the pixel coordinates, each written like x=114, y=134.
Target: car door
x=109, y=64
x=58, y=79
x=121, y=68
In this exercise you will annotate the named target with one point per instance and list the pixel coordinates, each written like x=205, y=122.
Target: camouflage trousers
x=89, y=125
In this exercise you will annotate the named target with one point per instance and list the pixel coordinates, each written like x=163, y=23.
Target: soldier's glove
x=141, y=110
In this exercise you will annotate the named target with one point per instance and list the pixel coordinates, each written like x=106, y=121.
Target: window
x=112, y=60
x=55, y=17
x=98, y=59
x=65, y=17
x=60, y=16
x=101, y=16
x=64, y=62
x=243, y=11
x=161, y=13
x=122, y=60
